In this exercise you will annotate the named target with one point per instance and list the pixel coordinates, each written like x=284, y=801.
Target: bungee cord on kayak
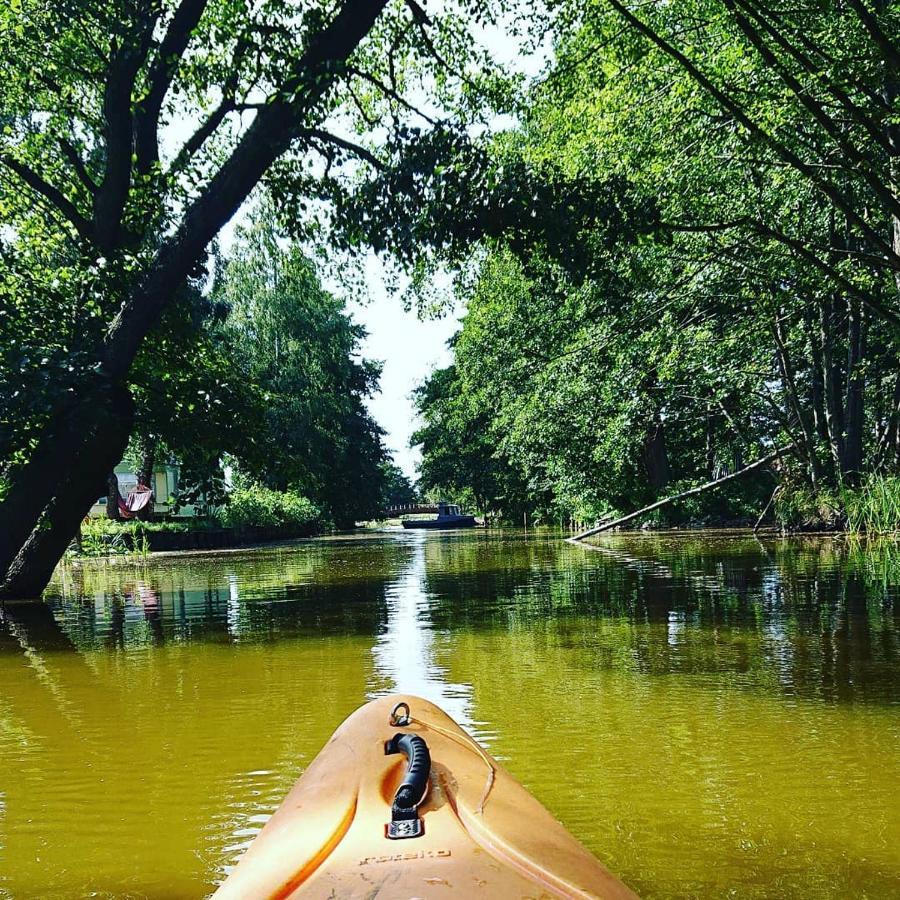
x=398, y=720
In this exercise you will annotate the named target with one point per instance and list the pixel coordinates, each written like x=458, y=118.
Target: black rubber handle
x=415, y=783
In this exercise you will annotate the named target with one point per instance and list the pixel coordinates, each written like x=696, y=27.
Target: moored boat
x=448, y=516
x=402, y=803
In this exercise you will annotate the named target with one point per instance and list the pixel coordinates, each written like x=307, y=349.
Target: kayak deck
x=483, y=833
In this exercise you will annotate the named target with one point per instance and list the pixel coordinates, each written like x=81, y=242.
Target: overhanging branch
x=319, y=135
x=171, y=49
x=77, y=163
x=892, y=258
x=57, y=199
x=390, y=92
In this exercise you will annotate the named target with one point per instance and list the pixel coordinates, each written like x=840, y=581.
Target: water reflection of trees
x=815, y=617
x=309, y=589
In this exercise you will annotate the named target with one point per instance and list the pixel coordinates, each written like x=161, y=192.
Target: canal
x=710, y=715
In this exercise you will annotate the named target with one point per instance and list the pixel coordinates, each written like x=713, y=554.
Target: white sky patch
x=410, y=348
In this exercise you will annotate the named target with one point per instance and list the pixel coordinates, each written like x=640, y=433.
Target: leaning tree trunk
x=103, y=442
x=46, y=479
x=35, y=483
x=666, y=501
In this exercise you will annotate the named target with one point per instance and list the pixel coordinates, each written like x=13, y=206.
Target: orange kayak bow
x=402, y=803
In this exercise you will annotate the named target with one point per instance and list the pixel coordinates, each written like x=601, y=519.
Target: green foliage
x=108, y=207
x=308, y=429
x=249, y=504
x=676, y=257
x=799, y=508
x=104, y=537
x=258, y=505
x=755, y=305
x=397, y=489
x=457, y=455
x=444, y=193
x=874, y=508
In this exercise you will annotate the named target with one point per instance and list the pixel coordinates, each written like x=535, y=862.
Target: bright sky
x=410, y=348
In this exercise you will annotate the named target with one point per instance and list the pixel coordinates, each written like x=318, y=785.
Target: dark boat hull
x=444, y=522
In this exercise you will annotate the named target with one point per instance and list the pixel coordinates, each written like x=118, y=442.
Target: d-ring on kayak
x=402, y=803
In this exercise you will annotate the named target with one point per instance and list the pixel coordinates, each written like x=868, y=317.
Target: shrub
x=797, y=507
x=258, y=505
x=105, y=537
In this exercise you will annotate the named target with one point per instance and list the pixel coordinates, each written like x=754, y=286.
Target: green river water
x=710, y=715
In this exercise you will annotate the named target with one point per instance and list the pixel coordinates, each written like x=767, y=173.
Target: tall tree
x=296, y=344
x=759, y=310
x=112, y=194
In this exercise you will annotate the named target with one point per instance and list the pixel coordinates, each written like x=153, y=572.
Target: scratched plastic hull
x=484, y=834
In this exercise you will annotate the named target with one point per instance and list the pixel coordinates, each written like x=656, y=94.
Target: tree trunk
x=833, y=378
x=112, y=496
x=615, y=523
x=34, y=484
x=854, y=410
x=816, y=377
x=789, y=383
x=148, y=461
x=655, y=457
x=103, y=443
x=145, y=473
x=888, y=445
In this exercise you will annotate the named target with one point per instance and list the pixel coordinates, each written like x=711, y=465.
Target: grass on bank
x=872, y=508
x=875, y=507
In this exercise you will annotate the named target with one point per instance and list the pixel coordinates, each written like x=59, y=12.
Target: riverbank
x=103, y=537
x=252, y=515
x=873, y=507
